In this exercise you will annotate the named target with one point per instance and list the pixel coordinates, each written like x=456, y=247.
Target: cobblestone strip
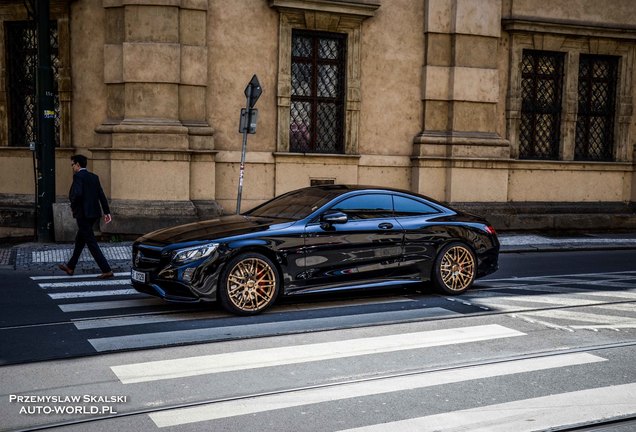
x=62, y=255
x=45, y=258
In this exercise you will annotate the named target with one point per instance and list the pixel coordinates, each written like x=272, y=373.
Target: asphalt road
x=553, y=263
x=549, y=340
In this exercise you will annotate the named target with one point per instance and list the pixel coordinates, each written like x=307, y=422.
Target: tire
x=249, y=284
x=455, y=269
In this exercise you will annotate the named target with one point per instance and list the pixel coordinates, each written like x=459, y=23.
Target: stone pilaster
x=460, y=94
x=155, y=69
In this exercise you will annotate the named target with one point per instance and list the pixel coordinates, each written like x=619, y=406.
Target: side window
x=410, y=207
x=369, y=206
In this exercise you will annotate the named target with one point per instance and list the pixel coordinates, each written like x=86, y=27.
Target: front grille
x=146, y=257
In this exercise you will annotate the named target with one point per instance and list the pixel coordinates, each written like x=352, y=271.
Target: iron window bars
x=596, y=108
x=21, y=58
x=541, y=91
x=317, y=92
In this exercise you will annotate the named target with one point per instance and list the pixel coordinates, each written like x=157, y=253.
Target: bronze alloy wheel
x=455, y=269
x=251, y=284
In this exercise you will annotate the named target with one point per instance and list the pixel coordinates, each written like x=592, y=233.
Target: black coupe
x=316, y=239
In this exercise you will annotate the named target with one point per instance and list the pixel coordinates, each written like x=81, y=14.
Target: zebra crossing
x=113, y=316
x=413, y=375
x=596, y=301
x=244, y=410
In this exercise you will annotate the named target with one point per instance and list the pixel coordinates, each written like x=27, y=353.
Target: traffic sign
x=253, y=91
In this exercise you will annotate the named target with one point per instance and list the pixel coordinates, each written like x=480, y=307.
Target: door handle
x=385, y=225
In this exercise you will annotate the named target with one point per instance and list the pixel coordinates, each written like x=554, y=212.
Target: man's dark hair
x=80, y=159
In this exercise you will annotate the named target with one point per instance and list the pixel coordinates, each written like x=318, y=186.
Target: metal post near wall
x=45, y=125
x=247, y=125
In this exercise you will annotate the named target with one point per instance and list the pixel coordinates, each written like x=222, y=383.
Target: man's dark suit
x=86, y=196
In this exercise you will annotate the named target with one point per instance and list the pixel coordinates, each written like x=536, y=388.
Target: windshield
x=294, y=205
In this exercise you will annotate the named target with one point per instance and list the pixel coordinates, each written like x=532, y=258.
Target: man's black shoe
x=69, y=271
x=106, y=275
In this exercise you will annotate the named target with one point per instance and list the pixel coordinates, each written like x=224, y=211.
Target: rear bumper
x=488, y=263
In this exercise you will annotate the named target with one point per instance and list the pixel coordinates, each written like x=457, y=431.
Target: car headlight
x=183, y=256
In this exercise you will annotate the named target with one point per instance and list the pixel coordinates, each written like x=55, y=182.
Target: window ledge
x=313, y=158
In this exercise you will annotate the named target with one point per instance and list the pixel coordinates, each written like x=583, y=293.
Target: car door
x=422, y=234
x=368, y=246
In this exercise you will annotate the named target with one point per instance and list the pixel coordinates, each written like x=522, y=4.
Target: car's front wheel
x=455, y=269
x=249, y=284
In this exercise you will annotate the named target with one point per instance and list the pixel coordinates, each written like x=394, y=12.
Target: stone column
x=155, y=144
x=460, y=95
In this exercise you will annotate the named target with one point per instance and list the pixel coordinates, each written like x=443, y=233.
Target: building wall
x=154, y=90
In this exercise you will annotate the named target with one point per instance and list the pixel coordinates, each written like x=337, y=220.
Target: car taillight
x=490, y=230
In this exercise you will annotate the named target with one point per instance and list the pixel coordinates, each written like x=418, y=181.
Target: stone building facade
x=519, y=109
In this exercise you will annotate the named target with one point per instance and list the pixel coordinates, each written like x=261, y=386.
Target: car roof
x=349, y=187
x=344, y=188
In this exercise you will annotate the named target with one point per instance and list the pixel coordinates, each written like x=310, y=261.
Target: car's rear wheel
x=249, y=284
x=455, y=269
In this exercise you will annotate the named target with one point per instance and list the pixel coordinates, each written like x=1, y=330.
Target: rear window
x=410, y=207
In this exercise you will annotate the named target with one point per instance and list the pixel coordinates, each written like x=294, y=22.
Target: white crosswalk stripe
x=77, y=276
x=140, y=320
x=84, y=294
x=92, y=283
x=528, y=415
x=156, y=339
x=116, y=304
x=365, y=388
x=582, y=317
x=167, y=369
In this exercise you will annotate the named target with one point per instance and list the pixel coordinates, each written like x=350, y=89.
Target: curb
x=564, y=248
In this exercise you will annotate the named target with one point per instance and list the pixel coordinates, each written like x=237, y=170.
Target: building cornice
x=571, y=28
x=359, y=8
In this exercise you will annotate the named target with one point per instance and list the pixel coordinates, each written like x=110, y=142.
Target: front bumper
x=170, y=292
x=192, y=282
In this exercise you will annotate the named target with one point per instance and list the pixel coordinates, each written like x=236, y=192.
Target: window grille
x=21, y=58
x=541, y=91
x=597, y=106
x=317, y=92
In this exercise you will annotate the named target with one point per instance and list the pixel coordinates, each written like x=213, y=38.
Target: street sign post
x=45, y=148
x=247, y=125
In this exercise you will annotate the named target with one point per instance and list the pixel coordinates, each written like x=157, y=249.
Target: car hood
x=224, y=226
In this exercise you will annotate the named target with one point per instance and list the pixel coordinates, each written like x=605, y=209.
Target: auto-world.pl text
x=68, y=404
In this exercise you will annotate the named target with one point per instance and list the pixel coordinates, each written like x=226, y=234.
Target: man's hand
x=108, y=218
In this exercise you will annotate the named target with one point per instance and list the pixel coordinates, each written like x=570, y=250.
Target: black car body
x=316, y=239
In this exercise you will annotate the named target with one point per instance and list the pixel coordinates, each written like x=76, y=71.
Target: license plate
x=138, y=276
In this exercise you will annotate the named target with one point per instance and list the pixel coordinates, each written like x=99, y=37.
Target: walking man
x=86, y=196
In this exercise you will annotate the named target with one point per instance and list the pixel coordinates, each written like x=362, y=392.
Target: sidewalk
x=44, y=258
x=513, y=242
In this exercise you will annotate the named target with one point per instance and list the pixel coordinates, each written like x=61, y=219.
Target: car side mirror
x=334, y=217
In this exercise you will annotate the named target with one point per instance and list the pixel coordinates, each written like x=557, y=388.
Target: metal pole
x=46, y=125
x=244, y=149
